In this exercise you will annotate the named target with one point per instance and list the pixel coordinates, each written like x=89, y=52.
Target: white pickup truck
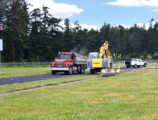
x=134, y=62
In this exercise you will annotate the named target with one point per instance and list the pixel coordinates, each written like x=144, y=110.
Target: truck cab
x=93, y=55
x=63, y=63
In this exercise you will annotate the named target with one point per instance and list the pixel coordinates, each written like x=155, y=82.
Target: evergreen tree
x=16, y=32
x=68, y=42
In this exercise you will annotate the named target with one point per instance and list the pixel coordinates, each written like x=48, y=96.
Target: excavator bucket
x=107, y=72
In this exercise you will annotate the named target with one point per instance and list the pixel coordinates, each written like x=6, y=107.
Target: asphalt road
x=12, y=80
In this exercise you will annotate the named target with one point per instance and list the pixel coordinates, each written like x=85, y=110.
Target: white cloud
x=146, y=25
x=141, y=25
x=89, y=27
x=83, y=26
x=59, y=10
x=125, y=26
x=134, y=3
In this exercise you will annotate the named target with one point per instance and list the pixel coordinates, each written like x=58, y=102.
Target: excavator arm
x=104, y=51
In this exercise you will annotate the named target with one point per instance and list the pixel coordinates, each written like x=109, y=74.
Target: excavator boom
x=104, y=51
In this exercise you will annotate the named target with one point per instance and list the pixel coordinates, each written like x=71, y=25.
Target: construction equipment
x=101, y=62
x=69, y=62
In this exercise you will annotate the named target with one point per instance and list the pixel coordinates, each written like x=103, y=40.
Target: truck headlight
x=53, y=65
x=66, y=65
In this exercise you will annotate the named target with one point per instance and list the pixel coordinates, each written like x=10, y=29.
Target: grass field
x=17, y=86
x=132, y=96
x=36, y=70
x=23, y=71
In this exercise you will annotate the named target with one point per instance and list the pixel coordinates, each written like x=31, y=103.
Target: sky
x=94, y=13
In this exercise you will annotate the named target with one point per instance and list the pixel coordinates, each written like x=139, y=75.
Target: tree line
x=38, y=35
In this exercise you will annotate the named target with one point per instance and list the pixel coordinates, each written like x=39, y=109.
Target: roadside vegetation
x=23, y=71
x=153, y=65
x=131, y=96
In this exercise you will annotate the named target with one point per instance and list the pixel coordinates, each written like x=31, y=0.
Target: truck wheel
x=78, y=69
x=110, y=65
x=92, y=71
x=70, y=71
x=82, y=70
x=128, y=66
x=145, y=65
x=53, y=72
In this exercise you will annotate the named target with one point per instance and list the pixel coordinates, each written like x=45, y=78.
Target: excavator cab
x=93, y=55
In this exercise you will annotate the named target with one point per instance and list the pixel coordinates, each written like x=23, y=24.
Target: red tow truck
x=69, y=62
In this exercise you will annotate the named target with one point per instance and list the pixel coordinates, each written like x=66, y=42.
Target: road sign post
x=1, y=49
x=1, y=45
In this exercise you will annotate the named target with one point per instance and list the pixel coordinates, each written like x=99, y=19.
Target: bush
x=149, y=57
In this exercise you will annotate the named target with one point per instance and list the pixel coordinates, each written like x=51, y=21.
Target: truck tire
x=82, y=69
x=134, y=66
x=110, y=65
x=145, y=64
x=70, y=72
x=127, y=66
x=53, y=72
x=78, y=69
x=92, y=71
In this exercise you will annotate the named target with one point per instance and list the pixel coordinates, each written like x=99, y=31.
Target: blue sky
x=115, y=12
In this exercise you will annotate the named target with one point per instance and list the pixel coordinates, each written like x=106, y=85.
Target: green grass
x=132, y=96
x=152, y=65
x=17, y=86
x=117, y=65
x=23, y=71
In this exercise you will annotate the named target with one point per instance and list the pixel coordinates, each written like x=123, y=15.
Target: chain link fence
x=7, y=64
x=116, y=64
